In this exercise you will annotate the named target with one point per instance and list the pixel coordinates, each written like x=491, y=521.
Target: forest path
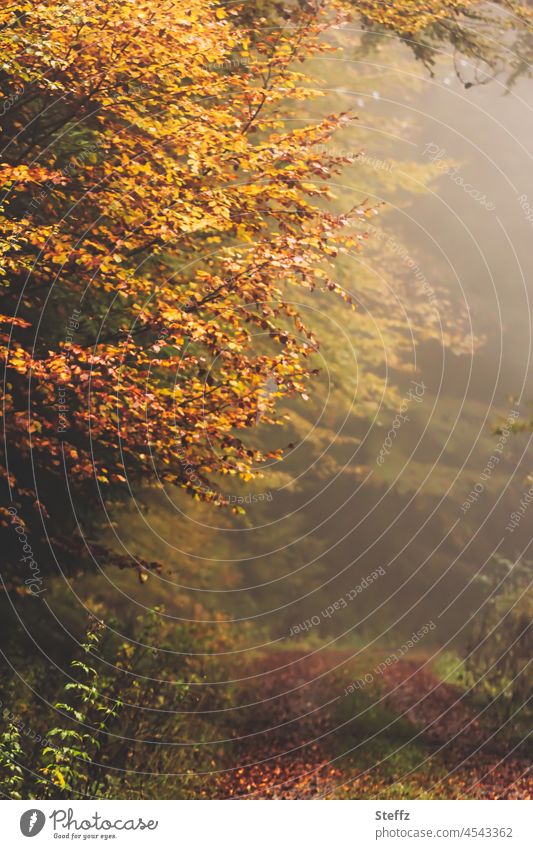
x=479, y=760
x=288, y=757
x=290, y=740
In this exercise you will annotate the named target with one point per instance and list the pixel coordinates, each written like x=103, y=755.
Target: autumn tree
x=157, y=217
x=159, y=212
x=492, y=38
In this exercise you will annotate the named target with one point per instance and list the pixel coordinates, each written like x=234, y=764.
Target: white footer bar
x=267, y=824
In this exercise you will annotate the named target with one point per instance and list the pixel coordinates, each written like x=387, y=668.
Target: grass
x=377, y=748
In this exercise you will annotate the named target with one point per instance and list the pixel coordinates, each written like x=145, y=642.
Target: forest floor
x=406, y=735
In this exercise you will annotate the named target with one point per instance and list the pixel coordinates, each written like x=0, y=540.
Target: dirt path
x=284, y=760
x=283, y=750
x=467, y=740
